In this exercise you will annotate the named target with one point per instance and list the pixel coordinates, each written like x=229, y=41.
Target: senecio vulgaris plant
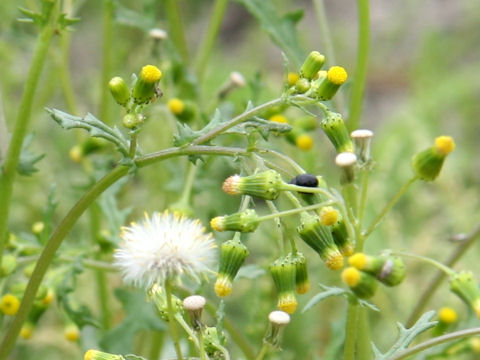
x=168, y=248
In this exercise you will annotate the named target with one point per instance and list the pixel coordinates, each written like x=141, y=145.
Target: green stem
x=191, y=334
x=203, y=355
x=263, y=351
x=171, y=319
x=435, y=341
x=310, y=190
x=427, y=260
x=363, y=49
x=363, y=196
x=209, y=40
x=364, y=347
x=187, y=188
x=387, y=207
x=294, y=211
x=156, y=344
x=432, y=287
x=176, y=28
x=298, y=169
x=107, y=46
x=64, y=73
x=273, y=209
x=133, y=145
x=322, y=20
x=9, y=169
x=351, y=332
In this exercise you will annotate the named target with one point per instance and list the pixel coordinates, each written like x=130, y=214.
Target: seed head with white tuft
x=164, y=246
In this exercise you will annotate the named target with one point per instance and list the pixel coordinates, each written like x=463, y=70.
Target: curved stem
x=287, y=159
x=9, y=169
x=171, y=318
x=432, y=287
x=107, y=46
x=427, y=260
x=273, y=209
x=387, y=207
x=209, y=40
x=310, y=190
x=362, y=63
x=436, y=341
x=293, y=211
x=263, y=351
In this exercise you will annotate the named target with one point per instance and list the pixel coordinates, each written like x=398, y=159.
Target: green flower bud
x=464, y=286
x=341, y=237
x=131, y=121
x=9, y=264
x=183, y=110
x=159, y=298
x=329, y=86
x=337, y=132
x=428, y=163
x=388, y=270
x=243, y=221
x=283, y=271
x=100, y=355
x=265, y=185
x=211, y=340
x=119, y=90
x=312, y=64
x=301, y=273
x=144, y=89
x=362, y=284
x=320, y=239
x=302, y=86
x=232, y=255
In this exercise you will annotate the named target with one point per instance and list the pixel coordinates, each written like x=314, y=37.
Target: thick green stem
x=351, y=332
x=294, y=211
x=175, y=25
x=432, y=287
x=171, y=319
x=435, y=341
x=9, y=169
x=188, y=186
x=362, y=63
x=209, y=40
x=364, y=347
x=263, y=351
x=156, y=345
x=387, y=207
x=107, y=47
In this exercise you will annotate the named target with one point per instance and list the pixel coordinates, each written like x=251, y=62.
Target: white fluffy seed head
x=164, y=246
x=346, y=159
x=194, y=302
x=279, y=317
x=361, y=134
x=158, y=34
x=237, y=79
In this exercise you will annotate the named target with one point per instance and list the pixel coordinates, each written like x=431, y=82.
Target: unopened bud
x=334, y=127
x=362, y=284
x=144, y=89
x=336, y=76
x=232, y=255
x=464, y=286
x=243, y=221
x=265, y=185
x=119, y=90
x=283, y=274
x=428, y=163
x=100, y=355
x=301, y=273
x=312, y=64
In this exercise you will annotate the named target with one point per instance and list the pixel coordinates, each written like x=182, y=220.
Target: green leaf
x=139, y=315
x=129, y=17
x=186, y=135
x=264, y=127
x=95, y=128
x=251, y=271
x=27, y=161
x=281, y=29
x=406, y=336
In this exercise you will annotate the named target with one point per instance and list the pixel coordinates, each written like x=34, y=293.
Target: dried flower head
x=164, y=246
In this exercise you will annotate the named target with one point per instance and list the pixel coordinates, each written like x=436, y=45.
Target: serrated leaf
x=95, y=128
x=139, y=315
x=27, y=161
x=406, y=336
x=281, y=30
x=65, y=21
x=264, y=127
x=186, y=134
x=31, y=16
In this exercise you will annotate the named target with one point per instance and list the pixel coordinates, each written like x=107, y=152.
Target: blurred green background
x=423, y=81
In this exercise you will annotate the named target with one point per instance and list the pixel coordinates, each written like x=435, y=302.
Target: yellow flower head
x=351, y=276
x=328, y=215
x=150, y=74
x=176, y=106
x=304, y=142
x=335, y=261
x=223, y=286
x=444, y=144
x=9, y=304
x=292, y=78
x=447, y=315
x=38, y=227
x=358, y=261
x=47, y=300
x=278, y=118
x=288, y=304
x=27, y=331
x=217, y=223
x=72, y=333
x=337, y=75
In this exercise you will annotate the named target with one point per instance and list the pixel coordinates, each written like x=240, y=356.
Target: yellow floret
x=216, y=223
x=75, y=154
x=38, y=227
x=358, y=260
x=337, y=75
x=9, y=304
x=90, y=354
x=475, y=345
x=176, y=106
x=278, y=118
x=27, y=331
x=292, y=78
x=72, y=333
x=444, y=144
x=476, y=307
x=335, y=261
x=347, y=250
x=47, y=300
x=223, y=287
x=328, y=216
x=321, y=74
x=351, y=276
x=447, y=315
x=289, y=305
x=150, y=74
x=304, y=142
x=303, y=288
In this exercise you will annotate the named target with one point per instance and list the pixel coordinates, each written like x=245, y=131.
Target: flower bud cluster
x=366, y=270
